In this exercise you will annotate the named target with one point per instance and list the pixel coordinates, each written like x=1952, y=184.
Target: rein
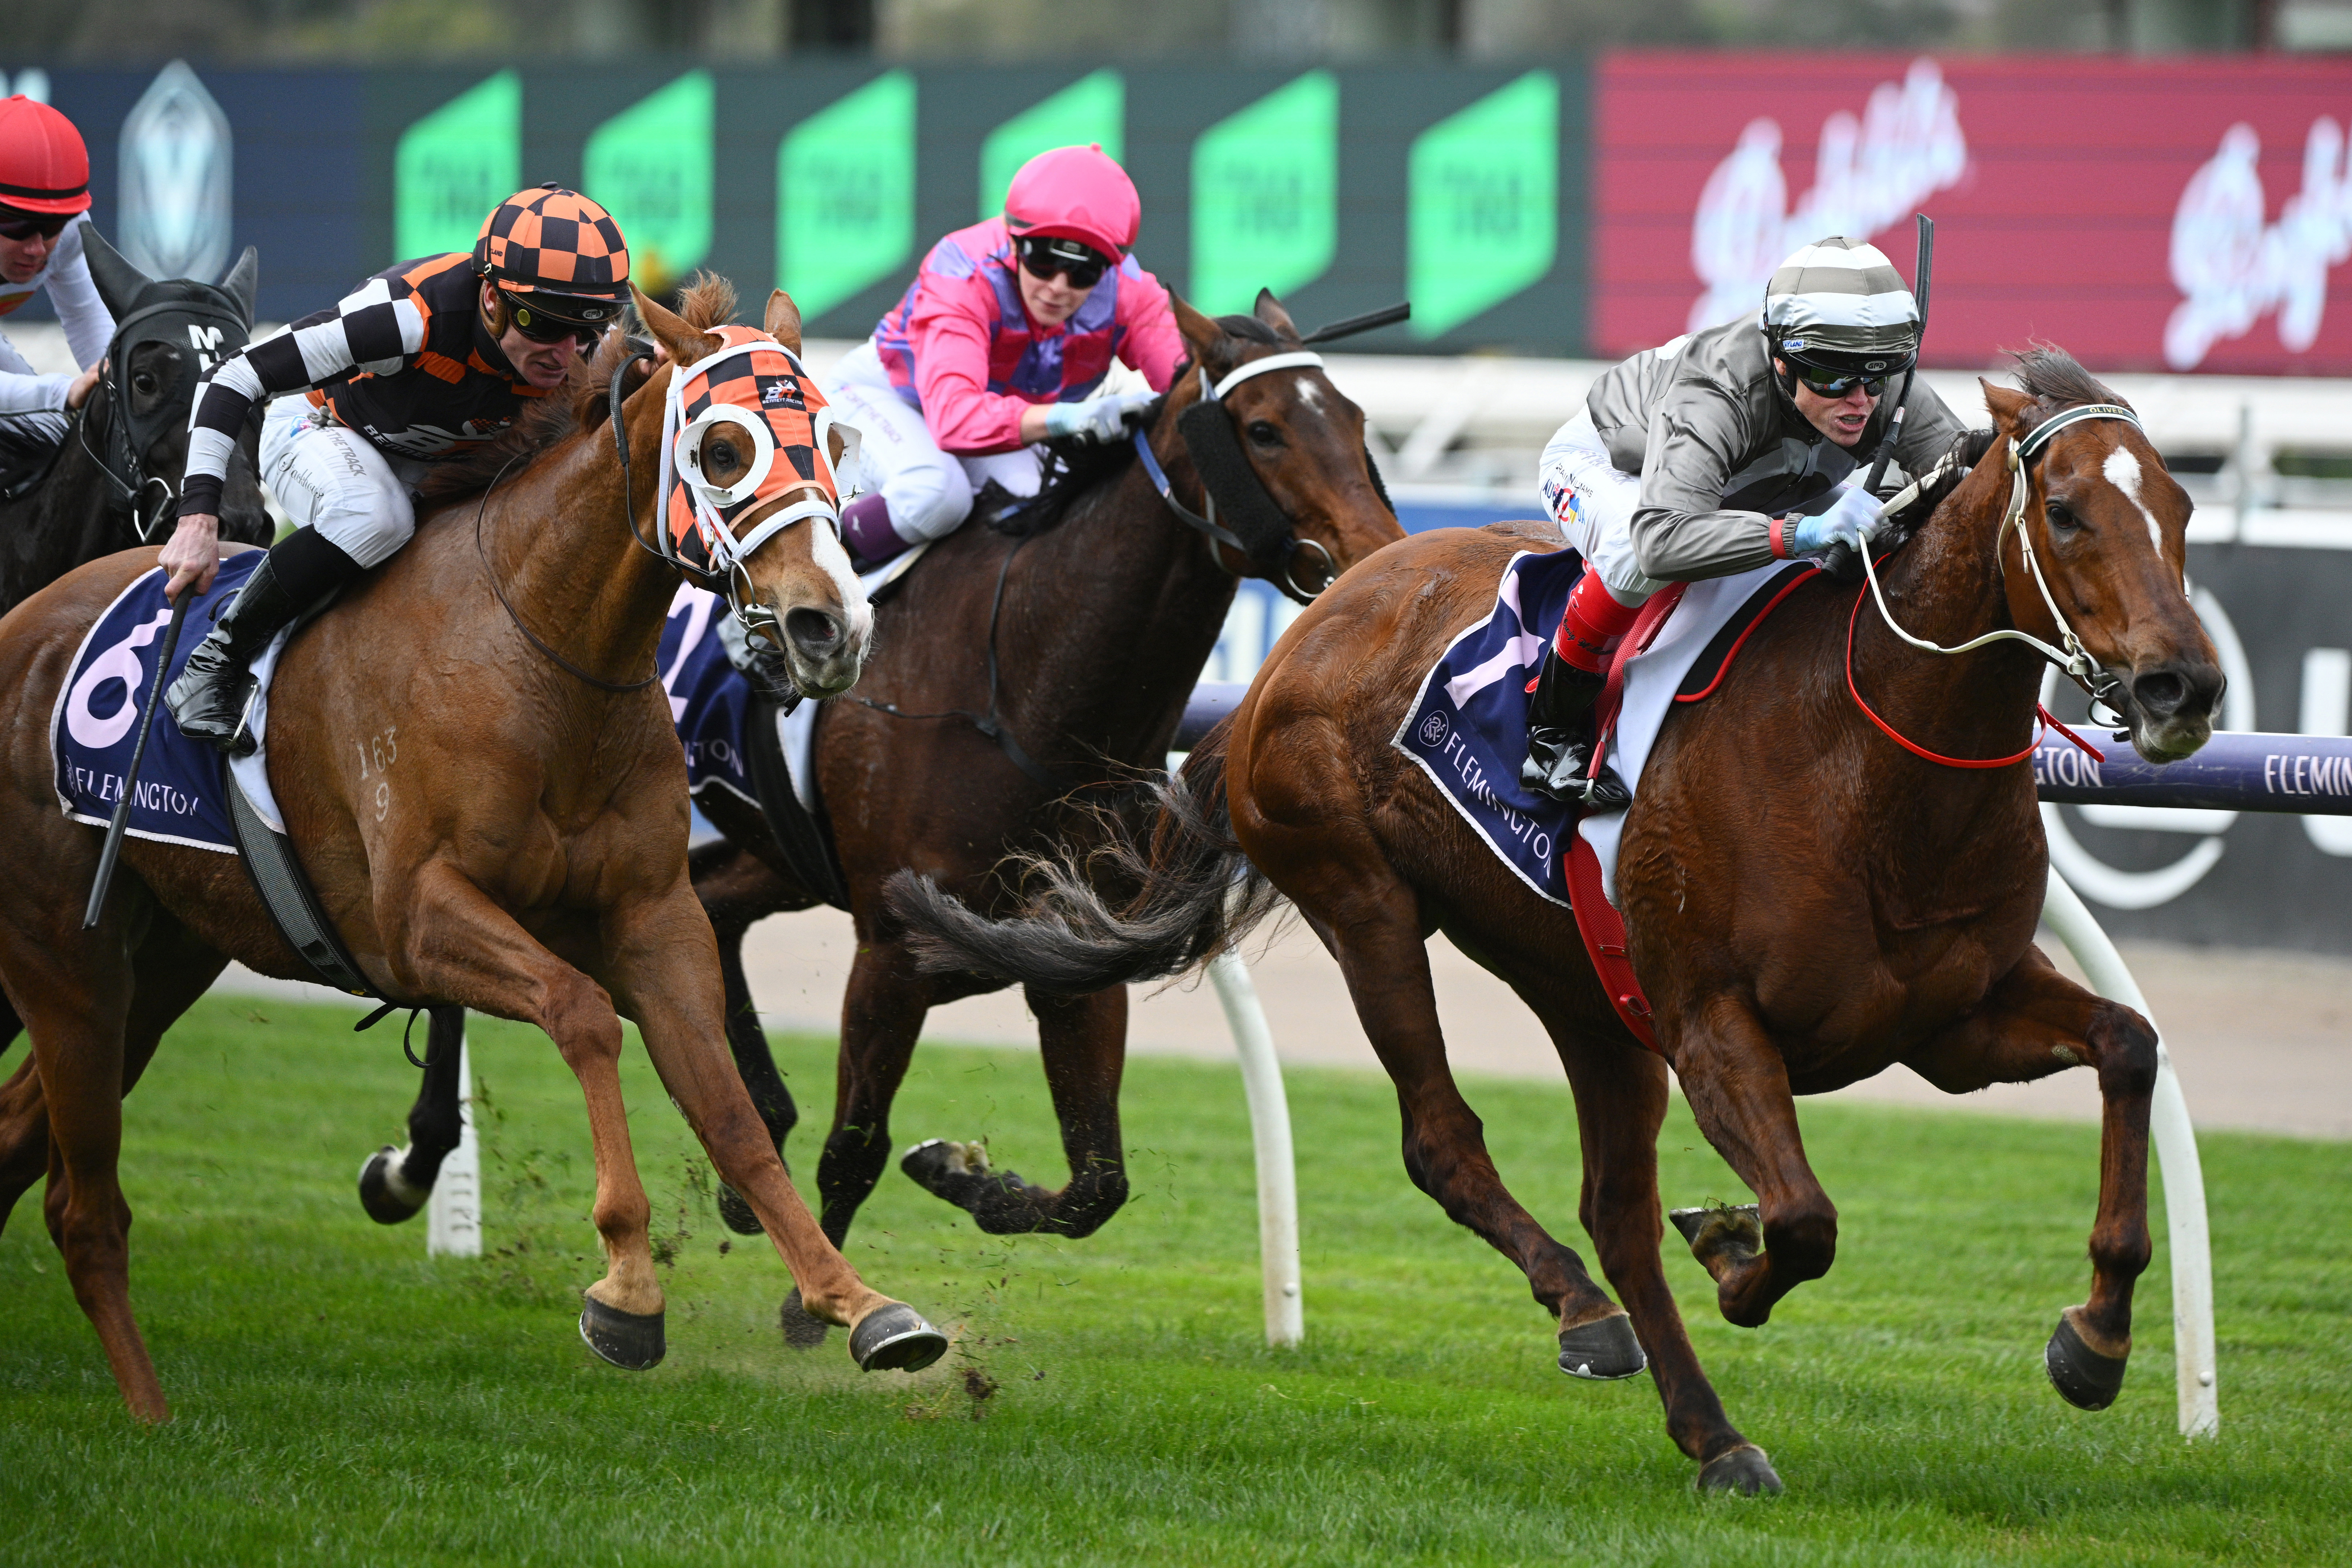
x=598, y=682
x=2072, y=656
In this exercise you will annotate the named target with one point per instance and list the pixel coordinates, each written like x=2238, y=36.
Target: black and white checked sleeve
x=375, y=329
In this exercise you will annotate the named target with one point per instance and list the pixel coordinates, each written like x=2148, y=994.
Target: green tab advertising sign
x=453, y=166
x=1484, y=217
x=650, y=165
x=1265, y=210
x=1092, y=109
x=845, y=194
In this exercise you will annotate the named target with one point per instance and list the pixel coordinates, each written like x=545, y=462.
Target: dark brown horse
x=518, y=848
x=1080, y=626
x=1808, y=902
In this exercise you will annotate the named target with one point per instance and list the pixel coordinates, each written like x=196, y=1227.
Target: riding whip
x=121, y=823
x=1839, y=561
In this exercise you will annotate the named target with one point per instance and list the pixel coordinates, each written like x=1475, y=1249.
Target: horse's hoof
x=1744, y=1221
x=1602, y=1349
x=1747, y=1470
x=948, y=1170
x=896, y=1338
x=735, y=1214
x=2083, y=1377
x=630, y=1341
x=803, y=1330
x=388, y=1199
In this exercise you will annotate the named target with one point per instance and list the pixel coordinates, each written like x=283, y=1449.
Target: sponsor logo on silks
x=1567, y=506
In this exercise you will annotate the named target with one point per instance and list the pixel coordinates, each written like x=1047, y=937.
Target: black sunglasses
x=540, y=327
x=22, y=225
x=1081, y=265
x=1837, y=384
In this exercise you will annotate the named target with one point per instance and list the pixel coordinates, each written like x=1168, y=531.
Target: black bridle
x=1263, y=533
x=210, y=331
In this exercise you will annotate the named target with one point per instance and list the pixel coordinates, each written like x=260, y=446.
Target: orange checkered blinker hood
x=755, y=382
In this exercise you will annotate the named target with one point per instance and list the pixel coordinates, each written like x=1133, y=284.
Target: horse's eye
x=144, y=383
x=721, y=455
x=1264, y=433
x=2062, y=520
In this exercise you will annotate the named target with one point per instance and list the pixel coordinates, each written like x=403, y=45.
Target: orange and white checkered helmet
x=559, y=249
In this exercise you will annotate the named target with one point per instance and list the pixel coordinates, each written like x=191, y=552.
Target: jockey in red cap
x=43, y=203
x=1003, y=342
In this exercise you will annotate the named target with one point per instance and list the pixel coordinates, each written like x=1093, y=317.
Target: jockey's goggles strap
x=1294, y=360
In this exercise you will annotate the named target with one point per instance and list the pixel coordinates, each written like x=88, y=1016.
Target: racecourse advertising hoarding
x=2188, y=213
x=2150, y=215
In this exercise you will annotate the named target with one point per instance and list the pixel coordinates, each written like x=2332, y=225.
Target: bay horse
x=1808, y=902
x=1079, y=624
x=113, y=483
x=528, y=860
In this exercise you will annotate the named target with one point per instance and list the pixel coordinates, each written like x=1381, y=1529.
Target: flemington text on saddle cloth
x=1467, y=728
x=95, y=723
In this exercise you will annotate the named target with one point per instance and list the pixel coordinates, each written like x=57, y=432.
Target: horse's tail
x=1192, y=895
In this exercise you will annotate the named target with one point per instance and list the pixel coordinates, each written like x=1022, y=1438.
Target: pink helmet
x=1078, y=192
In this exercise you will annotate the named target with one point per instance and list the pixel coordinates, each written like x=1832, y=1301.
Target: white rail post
x=1277, y=1172
x=2176, y=1147
x=453, y=1215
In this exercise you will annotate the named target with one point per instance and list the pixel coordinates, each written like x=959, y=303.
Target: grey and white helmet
x=1839, y=305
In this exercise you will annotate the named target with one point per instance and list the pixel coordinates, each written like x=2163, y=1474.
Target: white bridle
x=681, y=456
x=2072, y=656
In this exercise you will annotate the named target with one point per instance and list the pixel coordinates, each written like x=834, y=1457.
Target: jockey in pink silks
x=1002, y=343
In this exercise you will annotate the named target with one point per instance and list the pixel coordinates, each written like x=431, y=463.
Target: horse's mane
x=581, y=403
x=1074, y=468
x=2055, y=380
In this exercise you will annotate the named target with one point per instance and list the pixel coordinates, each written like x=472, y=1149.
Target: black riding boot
x=209, y=698
x=1561, y=737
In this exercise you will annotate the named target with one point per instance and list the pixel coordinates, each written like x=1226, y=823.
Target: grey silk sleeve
x=1929, y=428
x=1680, y=533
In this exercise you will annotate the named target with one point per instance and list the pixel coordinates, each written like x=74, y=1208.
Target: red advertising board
x=2148, y=215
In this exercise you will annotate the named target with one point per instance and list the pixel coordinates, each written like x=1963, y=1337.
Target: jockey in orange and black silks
x=754, y=382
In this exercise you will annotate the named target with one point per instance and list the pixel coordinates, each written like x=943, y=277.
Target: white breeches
x=335, y=481
x=1592, y=501
x=929, y=491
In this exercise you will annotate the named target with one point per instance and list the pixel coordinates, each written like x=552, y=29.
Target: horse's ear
x=244, y=280
x=2007, y=405
x=684, y=344
x=784, y=321
x=1269, y=311
x=1202, y=335
x=118, y=283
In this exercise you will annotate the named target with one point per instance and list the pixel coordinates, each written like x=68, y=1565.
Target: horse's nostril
x=2160, y=694
x=813, y=631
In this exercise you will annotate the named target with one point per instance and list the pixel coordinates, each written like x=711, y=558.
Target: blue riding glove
x=1101, y=419
x=1850, y=522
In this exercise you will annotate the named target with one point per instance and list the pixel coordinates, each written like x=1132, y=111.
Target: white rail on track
x=2175, y=1150
x=1277, y=1169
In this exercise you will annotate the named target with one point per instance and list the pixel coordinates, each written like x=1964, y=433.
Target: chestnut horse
x=1098, y=609
x=528, y=860
x=1808, y=902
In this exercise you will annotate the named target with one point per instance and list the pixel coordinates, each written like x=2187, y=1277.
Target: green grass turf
x=341, y=1398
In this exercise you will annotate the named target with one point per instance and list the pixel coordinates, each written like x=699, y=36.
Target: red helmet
x=559, y=248
x=44, y=167
x=1079, y=191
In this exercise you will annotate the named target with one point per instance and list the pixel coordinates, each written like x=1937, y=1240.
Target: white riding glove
x=1850, y=522
x=1101, y=419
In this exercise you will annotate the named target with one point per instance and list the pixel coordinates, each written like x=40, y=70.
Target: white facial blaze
x=826, y=550
x=2122, y=470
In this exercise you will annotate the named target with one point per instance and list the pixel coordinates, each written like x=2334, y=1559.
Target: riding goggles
x=1043, y=255
x=23, y=226
x=540, y=325
x=1836, y=382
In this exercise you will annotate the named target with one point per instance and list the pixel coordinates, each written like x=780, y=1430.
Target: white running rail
x=453, y=1215
x=1277, y=1170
